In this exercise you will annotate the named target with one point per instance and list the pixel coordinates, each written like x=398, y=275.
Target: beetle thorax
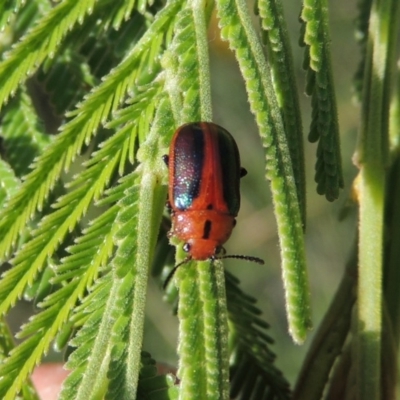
x=204, y=231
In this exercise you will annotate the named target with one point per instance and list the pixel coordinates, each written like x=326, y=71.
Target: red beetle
x=204, y=197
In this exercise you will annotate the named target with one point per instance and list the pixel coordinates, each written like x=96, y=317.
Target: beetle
x=204, y=190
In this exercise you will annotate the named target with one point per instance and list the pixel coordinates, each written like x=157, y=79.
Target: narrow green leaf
x=93, y=354
x=280, y=60
x=394, y=116
x=324, y=125
x=118, y=380
x=201, y=12
x=92, y=112
x=22, y=133
x=6, y=340
x=236, y=27
x=213, y=296
x=52, y=230
x=203, y=331
x=154, y=386
x=26, y=56
x=362, y=23
x=45, y=326
x=7, y=9
x=139, y=230
x=187, y=65
x=123, y=13
x=9, y=183
x=57, y=307
x=6, y=346
x=192, y=367
x=170, y=65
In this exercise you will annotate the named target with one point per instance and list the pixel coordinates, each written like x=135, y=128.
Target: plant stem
x=372, y=158
x=213, y=296
x=237, y=27
x=369, y=328
x=200, y=23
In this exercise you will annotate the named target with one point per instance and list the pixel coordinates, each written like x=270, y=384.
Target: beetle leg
x=165, y=158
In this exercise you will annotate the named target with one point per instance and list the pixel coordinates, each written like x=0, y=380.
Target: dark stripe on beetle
x=230, y=168
x=207, y=229
x=188, y=165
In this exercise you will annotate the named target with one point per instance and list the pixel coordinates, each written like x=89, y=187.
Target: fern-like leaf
x=9, y=183
x=276, y=38
x=28, y=54
x=91, y=113
x=136, y=245
x=324, y=125
x=77, y=273
x=7, y=9
x=85, y=189
x=43, y=327
x=362, y=25
x=121, y=322
x=90, y=52
x=92, y=340
x=78, y=270
x=118, y=381
x=152, y=385
x=6, y=340
x=253, y=373
x=124, y=12
x=187, y=66
x=203, y=331
x=202, y=308
x=22, y=133
x=237, y=28
x=52, y=230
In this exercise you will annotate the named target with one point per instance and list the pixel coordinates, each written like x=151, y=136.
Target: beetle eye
x=220, y=249
x=165, y=158
x=186, y=247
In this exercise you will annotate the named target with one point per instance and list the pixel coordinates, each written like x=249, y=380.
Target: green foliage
x=6, y=345
x=276, y=40
x=23, y=137
x=202, y=312
x=90, y=95
x=362, y=23
x=9, y=182
x=236, y=27
x=6, y=11
x=324, y=124
x=252, y=371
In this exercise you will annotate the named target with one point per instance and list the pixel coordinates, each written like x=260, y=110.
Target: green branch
x=236, y=27
x=372, y=159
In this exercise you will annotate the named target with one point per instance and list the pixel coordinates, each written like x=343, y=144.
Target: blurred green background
x=328, y=239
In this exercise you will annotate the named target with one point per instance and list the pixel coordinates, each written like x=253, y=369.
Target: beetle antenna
x=172, y=273
x=246, y=258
